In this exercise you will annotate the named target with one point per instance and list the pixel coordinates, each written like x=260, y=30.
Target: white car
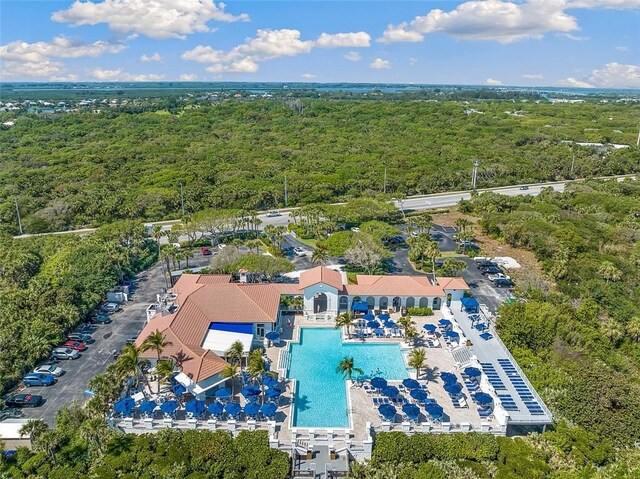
x=493, y=277
x=273, y=214
x=300, y=251
x=222, y=246
x=49, y=368
x=355, y=229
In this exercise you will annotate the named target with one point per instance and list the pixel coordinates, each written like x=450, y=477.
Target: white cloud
x=188, y=77
x=158, y=19
x=309, y=76
x=622, y=49
x=41, y=69
x=267, y=45
x=612, y=75
x=353, y=56
x=608, y=4
x=533, y=76
x=575, y=83
x=575, y=38
x=71, y=77
x=498, y=20
x=412, y=61
x=492, y=82
x=120, y=75
x=380, y=64
x=151, y=58
x=338, y=40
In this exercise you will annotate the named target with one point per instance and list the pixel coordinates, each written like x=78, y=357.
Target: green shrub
x=420, y=311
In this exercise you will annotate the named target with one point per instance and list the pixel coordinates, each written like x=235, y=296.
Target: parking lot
x=93, y=361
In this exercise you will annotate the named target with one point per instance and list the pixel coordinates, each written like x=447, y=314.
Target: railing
x=442, y=428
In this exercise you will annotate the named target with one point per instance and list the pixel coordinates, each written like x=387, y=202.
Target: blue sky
x=511, y=42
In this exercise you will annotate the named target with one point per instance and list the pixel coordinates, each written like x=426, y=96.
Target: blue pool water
x=321, y=396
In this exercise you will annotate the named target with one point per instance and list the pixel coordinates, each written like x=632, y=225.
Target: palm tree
x=432, y=252
x=633, y=328
x=347, y=368
x=257, y=368
x=95, y=433
x=231, y=371
x=320, y=256
x=235, y=353
x=406, y=323
x=347, y=320
x=157, y=233
x=34, y=429
x=156, y=341
x=131, y=363
x=411, y=333
x=164, y=370
x=417, y=360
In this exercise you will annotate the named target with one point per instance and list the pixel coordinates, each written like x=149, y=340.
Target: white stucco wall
x=332, y=299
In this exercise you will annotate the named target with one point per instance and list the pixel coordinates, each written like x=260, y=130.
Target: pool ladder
x=284, y=360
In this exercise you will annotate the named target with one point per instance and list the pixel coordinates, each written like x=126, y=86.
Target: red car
x=77, y=345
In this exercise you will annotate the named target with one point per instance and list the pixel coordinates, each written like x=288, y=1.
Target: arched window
x=319, y=303
x=436, y=304
x=396, y=303
x=411, y=302
x=424, y=302
x=371, y=302
x=384, y=302
x=344, y=303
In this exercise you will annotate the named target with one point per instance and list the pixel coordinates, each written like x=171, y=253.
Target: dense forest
x=75, y=169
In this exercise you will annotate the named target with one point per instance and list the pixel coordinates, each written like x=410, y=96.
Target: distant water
x=266, y=87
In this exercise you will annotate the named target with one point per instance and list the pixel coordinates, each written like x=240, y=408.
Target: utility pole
x=18, y=213
x=573, y=162
x=474, y=175
x=384, y=186
x=286, y=192
x=182, y=198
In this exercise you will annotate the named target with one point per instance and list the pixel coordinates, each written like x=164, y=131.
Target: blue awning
x=242, y=328
x=471, y=305
x=360, y=306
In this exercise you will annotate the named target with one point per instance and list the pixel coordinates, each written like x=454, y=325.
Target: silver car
x=65, y=353
x=50, y=368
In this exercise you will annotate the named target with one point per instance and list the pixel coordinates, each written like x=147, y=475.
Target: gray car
x=65, y=353
x=84, y=338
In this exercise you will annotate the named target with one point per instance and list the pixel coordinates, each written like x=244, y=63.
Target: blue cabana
x=472, y=372
x=448, y=377
x=388, y=411
x=483, y=399
x=412, y=411
x=453, y=388
x=273, y=393
x=178, y=389
x=269, y=409
x=249, y=391
x=124, y=406
x=232, y=409
x=252, y=409
x=216, y=408
x=434, y=410
x=369, y=317
x=389, y=324
x=480, y=326
x=444, y=323
x=169, y=407
x=384, y=317
x=269, y=380
x=195, y=406
x=373, y=324
x=486, y=336
x=147, y=407
x=272, y=335
x=390, y=391
x=360, y=307
x=410, y=383
x=430, y=328
x=451, y=334
x=470, y=305
x=418, y=394
x=379, y=383
x=222, y=393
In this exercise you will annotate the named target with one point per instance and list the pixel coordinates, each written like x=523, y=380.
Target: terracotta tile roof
x=320, y=274
x=452, y=283
x=389, y=285
x=214, y=278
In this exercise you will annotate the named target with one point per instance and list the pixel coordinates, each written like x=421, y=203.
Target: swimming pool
x=321, y=396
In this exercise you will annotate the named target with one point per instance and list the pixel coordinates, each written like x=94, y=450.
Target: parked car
x=355, y=229
x=485, y=263
x=84, y=338
x=101, y=319
x=205, y=251
x=524, y=187
x=222, y=246
x=298, y=251
x=504, y=283
x=490, y=270
x=111, y=308
x=65, y=353
x=439, y=262
x=493, y=277
x=76, y=345
x=23, y=400
x=273, y=214
x=468, y=245
x=87, y=329
x=394, y=240
x=39, y=379
x=50, y=369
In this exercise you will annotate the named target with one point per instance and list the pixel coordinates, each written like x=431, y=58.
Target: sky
x=575, y=43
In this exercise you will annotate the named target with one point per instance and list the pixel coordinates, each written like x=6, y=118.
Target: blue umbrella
x=216, y=408
x=384, y=317
x=473, y=372
x=271, y=335
x=418, y=394
x=389, y=324
x=233, y=409
x=379, y=332
x=379, y=383
x=273, y=393
x=390, y=391
x=195, y=406
x=388, y=411
x=178, y=389
x=147, y=407
x=373, y=324
x=480, y=326
x=410, y=383
x=368, y=317
x=268, y=409
x=124, y=406
x=269, y=381
x=434, y=410
x=445, y=323
x=483, y=398
x=431, y=328
x=451, y=334
x=169, y=407
x=448, y=377
x=223, y=393
x=411, y=410
x=486, y=336
x=453, y=388
x=252, y=409
x=250, y=391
